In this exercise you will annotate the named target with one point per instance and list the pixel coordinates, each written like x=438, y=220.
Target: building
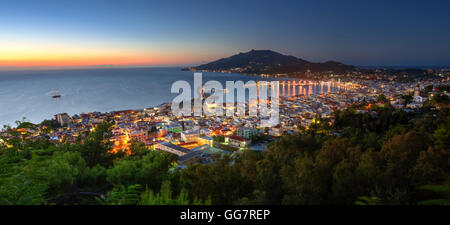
x=62, y=118
x=185, y=156
x=205, y=131
x=416, y=91
x=246, y=132
x=162, y=132
x=190, y=136
x=206, y=140
x=139, y=135
x=276, y=130
x=171, y=148
x=418, y=99
x=192, y=157
x=175, y=128
x=237, y=141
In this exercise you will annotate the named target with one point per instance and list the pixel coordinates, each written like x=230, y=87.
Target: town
x=195, y=138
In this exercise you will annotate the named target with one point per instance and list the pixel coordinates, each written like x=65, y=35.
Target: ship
x=56, y=94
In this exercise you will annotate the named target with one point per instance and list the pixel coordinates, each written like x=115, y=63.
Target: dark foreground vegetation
x=384, y=156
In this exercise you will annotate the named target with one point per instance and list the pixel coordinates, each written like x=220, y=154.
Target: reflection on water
x=29, y=93
x=286, y=88
x=308, y=88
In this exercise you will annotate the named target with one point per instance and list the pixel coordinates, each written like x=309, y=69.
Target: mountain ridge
x=271, y=62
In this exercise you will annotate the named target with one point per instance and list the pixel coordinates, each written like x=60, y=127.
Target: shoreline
x=108, y=112
x=50, y=117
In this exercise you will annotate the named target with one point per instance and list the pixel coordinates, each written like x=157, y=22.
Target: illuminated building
x=171, y=148
x=237, y=141
x=190, y=136
x=192, y=157
x=276, y=130
x=246, y=132
x=62, y=118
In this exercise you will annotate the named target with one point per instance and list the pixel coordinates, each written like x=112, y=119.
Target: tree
x=164, y=197
x=440, y=194
x=382, y=98
x=148, y=171
x=219, y=138
x=399, y=155
x=221, y=181
x=406, y=99
x=121, y=195
x=96, y=145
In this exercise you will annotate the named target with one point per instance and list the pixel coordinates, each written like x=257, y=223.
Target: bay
x=29, y=93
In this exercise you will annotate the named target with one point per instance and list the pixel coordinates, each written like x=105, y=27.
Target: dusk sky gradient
x=163, y=33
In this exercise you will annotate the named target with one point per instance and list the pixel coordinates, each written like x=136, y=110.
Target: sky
x=90, y=33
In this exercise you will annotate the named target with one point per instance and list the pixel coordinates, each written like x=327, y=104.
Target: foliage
x=441, y=192
x=219, y=138
x=164, y=197
x=150, y=170
x=382, y=156
x=52, y=124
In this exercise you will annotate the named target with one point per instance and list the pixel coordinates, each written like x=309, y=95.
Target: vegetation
x=386, y=156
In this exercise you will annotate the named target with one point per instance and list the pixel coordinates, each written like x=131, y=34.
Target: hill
x=271, y=62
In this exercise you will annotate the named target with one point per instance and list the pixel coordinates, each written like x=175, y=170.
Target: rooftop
x=175, y=147
x=238, y=138
x=189, y=156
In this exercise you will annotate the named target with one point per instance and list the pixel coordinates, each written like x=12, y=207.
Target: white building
x=237, y=141
x=276, y=130
x=62, y=118
x=190, y=136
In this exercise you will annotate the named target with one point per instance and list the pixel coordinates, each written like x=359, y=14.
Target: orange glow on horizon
x=76, y=61
x=17, y=55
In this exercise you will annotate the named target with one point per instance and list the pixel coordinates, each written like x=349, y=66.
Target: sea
x=27, y=95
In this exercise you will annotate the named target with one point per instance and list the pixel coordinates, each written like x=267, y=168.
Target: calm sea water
x=29, y=93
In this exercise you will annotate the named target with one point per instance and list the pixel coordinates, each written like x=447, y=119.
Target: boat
x=56, y=94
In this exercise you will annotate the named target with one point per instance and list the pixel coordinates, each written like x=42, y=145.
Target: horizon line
x=51, y=68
